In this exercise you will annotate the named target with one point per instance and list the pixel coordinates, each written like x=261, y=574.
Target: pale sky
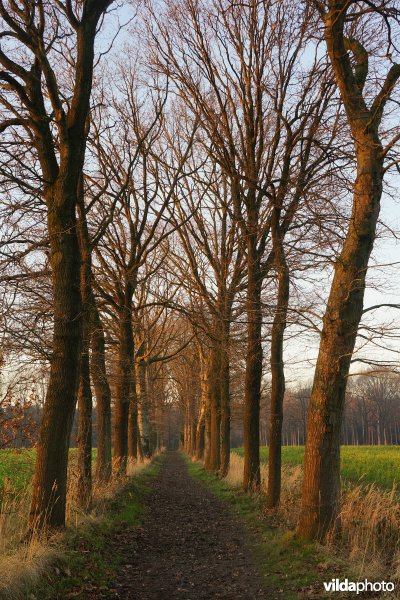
x=383, y=286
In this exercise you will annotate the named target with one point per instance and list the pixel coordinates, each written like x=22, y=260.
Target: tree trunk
x=125, y=362
x=206, y=401
x=103, y=396
x=133, y=420
x=192, y=447
x=139, y=447
x=254, y=357
x=321, y=488
x=50, y=479
x=215, y=410
x=186, y=428
x=200, y=431
x=61, y=194
x=225, y=400
x=143, y=416
x=278, y=385
x=207, y=435
x=84, y=391
x=84, y=431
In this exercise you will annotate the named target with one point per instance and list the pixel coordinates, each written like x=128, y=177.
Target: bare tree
x=221, y=58
x=210, y=263
x=133, y=156
x=54, y=121
x=350, y=61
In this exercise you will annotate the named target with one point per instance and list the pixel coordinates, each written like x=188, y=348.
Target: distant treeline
x=372, y=414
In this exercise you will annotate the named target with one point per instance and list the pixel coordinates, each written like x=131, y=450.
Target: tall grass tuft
x=370, y=526
x=370, y=518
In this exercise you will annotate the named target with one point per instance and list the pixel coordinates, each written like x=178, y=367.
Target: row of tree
x=371, y=416
x=168, y=210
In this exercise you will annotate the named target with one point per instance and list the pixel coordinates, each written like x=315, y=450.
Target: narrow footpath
x=188, y=547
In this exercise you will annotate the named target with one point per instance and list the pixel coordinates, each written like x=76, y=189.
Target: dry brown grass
x=370, y=518
x=370, y=522
x=101, y=492
x=23, y=561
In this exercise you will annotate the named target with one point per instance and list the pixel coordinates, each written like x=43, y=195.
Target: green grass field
x=17, y=466
x=371, y=464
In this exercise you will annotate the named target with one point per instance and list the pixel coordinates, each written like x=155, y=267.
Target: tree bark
x=50, y=479
x=205, y=391
x=103, y=396
x=61, y=195
x=85, y=428
x=254, y=357
x=85, y=402
x=321, y=489
x=277, y=384
x=225, y=428
x=139, y=448
x=215, y=409
x=133, y=420
x=142, y=396
x=200, y=431
x=125, y=363
x=192, y=446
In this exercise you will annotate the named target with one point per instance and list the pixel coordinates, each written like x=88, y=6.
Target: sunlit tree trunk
x=50, y=479
x=200, y=430
x=61, y=195
x=143, y=409
x=85, y=426
x=321, y=488
x=321, y=491
x=206, y=398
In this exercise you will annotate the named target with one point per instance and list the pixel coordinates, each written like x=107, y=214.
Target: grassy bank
x=370, y=464
x=370, y=518
x=78, y=561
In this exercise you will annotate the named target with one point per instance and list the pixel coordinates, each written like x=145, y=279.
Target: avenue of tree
x=177, y=178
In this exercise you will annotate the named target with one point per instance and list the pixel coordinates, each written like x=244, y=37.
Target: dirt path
x=189, y=547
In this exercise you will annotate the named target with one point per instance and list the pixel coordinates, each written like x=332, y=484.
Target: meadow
x=17, y=466
x=360, y=464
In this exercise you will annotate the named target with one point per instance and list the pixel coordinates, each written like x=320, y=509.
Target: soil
x=189, y=547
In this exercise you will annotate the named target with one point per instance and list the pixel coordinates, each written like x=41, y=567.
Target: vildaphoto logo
x=337, y=585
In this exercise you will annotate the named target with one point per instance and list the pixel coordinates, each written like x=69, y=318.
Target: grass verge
x=290, y=569
x=79, y=561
